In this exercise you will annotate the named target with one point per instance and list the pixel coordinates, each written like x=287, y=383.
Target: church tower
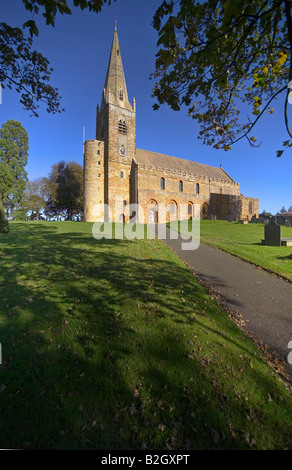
x=116, y=127
x=108, y=159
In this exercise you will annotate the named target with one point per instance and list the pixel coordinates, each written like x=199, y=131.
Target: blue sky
x=78, y=49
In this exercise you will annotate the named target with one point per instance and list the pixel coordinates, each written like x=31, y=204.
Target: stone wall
x=120, y=148
x=118, y=181
x=249, y=208
x=93, y=174
x=225, y=206
x=230, y=207
x=195, y=190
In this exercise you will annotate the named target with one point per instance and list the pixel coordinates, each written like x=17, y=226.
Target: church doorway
x=152, y=216
x=152, y=212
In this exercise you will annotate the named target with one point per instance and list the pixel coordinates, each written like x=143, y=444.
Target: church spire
x=115, y=89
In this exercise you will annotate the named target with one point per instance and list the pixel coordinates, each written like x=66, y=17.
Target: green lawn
x=113, y=344
x=245, y=241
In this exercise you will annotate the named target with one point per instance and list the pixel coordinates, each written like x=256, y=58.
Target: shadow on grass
x=286, y=258
x=255, y=244
x=93, y=353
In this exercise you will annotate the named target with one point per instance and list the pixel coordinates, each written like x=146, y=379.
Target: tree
x=65, y=186
x=35, y=196
x=218, y=56
x=265, y=213
x=26, y=70
x=4, y=225
x=13, y=159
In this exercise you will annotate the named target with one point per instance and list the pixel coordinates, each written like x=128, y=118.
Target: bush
x=4, y=226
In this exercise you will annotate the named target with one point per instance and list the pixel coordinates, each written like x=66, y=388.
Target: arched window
x=197, y=188
x=122, y=127
x=205, y=210
x=121, y=94
x=180, y=186
x=190, y=208
x=173, y=211
x=250, y=208
x=162, y=183
x=122, y=175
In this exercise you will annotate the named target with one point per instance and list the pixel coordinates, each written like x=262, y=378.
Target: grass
x=244, y=241
x=113, y=344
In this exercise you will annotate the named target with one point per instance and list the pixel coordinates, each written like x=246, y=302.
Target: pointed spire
x=115, y=89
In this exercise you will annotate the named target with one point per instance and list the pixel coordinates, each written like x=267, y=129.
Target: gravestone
x=272, y=234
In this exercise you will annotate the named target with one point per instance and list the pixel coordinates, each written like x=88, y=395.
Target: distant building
x=283, y=218
x=115, y=169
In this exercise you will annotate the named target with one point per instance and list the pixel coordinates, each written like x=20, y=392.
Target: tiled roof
x=146, y=157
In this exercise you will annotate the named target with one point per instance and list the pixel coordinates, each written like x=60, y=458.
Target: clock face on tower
x=122, y=151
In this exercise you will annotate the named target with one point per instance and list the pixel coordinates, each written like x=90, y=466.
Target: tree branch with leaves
x=221, y=59
x=25, y=70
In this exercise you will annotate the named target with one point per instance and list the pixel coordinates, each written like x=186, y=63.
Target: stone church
x=119, y=177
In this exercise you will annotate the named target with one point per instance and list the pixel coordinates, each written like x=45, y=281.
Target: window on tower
x=162, y=183
x=121, y=94
x=122, y=127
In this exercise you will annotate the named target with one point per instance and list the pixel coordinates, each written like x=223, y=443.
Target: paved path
x=260, y=299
